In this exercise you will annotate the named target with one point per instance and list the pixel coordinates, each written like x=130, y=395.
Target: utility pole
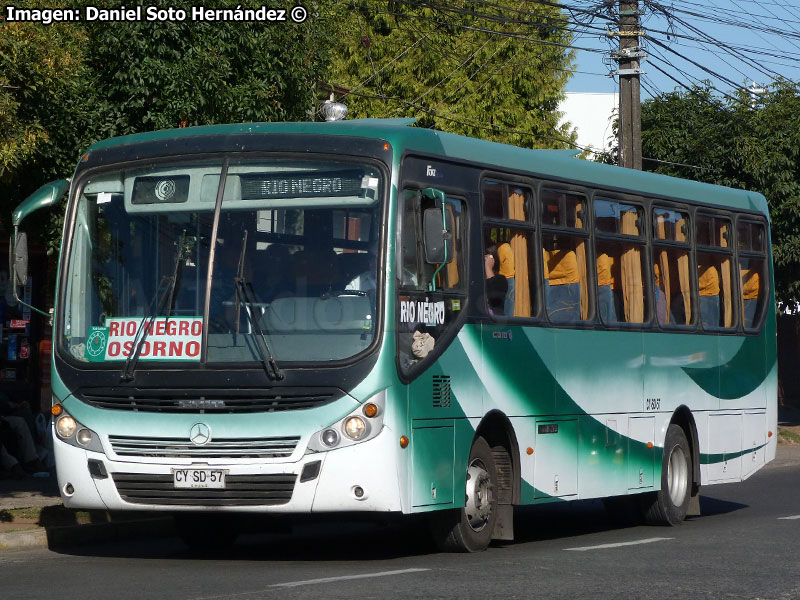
x=630, y=107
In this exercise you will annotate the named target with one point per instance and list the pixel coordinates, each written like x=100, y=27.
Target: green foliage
x=737, y=143
x=38, y=66
x=67, y=86
x=434, y=62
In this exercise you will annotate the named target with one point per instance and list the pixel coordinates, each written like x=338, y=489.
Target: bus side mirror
x=19, y=266
x=438, y=236
x=45, y=197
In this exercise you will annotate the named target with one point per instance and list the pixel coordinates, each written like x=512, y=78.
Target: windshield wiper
x=244, y=296
x=166, y=300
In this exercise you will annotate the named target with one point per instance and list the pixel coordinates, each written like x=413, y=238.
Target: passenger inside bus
x=708, y=282
x=607, y=295
x=496, y=284
x=751, y=290
x=562, y=280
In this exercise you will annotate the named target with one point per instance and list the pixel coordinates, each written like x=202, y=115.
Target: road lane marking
x=345, y=578
x=617, y=545
x=789, y=518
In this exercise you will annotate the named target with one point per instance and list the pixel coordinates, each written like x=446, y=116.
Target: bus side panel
x=666, y=386
x=598, y=371
x=519, y=373
x=602, y=455
x=440, y=399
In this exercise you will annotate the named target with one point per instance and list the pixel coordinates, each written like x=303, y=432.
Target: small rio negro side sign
x=548, y=428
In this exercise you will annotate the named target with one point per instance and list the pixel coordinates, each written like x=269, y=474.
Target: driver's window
x=430, y=296
x=414, y=272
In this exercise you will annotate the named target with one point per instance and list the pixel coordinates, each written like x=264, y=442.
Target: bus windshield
x=294, y=262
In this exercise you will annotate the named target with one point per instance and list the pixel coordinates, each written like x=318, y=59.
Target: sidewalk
x=32, y=514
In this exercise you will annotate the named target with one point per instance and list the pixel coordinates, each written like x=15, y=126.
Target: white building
x=592, y=114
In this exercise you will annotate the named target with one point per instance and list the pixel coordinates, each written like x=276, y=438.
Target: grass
x=788, y=436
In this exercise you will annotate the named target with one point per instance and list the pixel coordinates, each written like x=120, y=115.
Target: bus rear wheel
x=470, y=529
x=670, y=504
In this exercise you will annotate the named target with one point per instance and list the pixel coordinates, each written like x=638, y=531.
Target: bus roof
x=560, y=164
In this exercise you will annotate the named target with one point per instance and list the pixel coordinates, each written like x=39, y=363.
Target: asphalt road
x=744, y=546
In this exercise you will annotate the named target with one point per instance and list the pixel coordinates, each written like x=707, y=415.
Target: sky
x=738, y=41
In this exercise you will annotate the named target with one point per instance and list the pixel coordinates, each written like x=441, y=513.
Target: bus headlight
x=362, y=424
x=84, y=437
x=355, y=428
x=70, y=431
x=66, y=426
x=329, y=437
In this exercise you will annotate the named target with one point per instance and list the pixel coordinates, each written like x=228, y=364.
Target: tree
x=38, y=66
x=494, y=70
x=738, y=142
x=127, y=77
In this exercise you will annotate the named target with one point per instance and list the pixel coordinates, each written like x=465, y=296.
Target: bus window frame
x=60, y=350
x=644, y=239
x=763, y=255
x=689, y=245
x=585, y=233
x=531, y=225
x=462, y=292
x=731, y=251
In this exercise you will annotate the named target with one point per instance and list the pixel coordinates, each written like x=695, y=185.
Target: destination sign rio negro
x=175, y=339
x=305, y=184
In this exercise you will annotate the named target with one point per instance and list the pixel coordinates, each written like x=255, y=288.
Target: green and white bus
x=364, y=316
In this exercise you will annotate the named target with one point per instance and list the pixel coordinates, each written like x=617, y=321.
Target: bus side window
x=621, y=288
x=714, y=272
x=671, y=274
x=425, y=315
x=408, y=271
x=564, y=257
x=752, y=272
x=506, y=228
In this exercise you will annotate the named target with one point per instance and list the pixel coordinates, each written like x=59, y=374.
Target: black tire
x=206, y=532
x=670, y=504
x=470, y=529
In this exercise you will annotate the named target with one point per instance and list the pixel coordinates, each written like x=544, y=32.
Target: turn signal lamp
x=649, y=444
x=403, y=441
x=371, y=410
x=769, y=434
x=56, y=409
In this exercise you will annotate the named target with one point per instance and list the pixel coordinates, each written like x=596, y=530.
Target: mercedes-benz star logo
x=200, y=434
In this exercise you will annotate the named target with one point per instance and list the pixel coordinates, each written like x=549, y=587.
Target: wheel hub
x=677, y=475
x=480, y=493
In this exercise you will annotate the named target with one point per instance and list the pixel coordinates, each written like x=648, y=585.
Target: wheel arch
x=497, y=430
x=685, y=420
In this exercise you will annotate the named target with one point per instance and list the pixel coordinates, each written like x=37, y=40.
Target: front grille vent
x=208, y=401
x=441, y=391
x=274, y=447
x=240, y=490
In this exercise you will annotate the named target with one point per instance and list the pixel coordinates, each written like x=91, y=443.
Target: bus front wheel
x=670, y=504
x=469, y=529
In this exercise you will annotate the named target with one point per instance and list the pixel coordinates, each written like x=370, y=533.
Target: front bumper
x=370, y=466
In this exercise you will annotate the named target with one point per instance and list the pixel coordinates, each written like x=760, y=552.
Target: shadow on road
x=714, y=506
x=338, y=541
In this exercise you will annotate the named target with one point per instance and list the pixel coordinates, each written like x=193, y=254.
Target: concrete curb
x=96, y=532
